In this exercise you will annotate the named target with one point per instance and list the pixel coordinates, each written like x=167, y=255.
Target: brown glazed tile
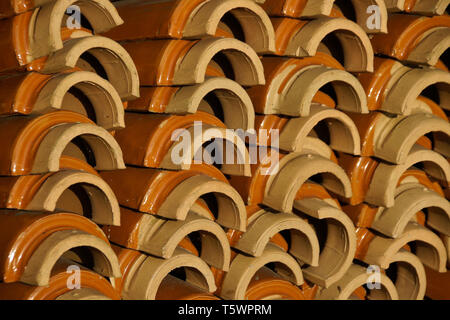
x=397, y=89
x=143, y=275
x=32, y=92
x=160, y=237
x=298, y=8
x=415, y=39
x=91, y=282
x=37, y=33
x=32, y=236
x=360, y=171
x=164, y=193
x=267, y=285
x=302, y=38
x=187, y=19
x=28, y=141
x=244, y=268
x=184, y=62
x=76, y=191
x=149, y=140
x=293, y=84
x=427, y=8
x=350, y=287
x=145, y=189
x=393, y=139
x=217, y=95
x=172, y=288
x=112, y=61
x=146, y=138
x=317, y=8
x=437, y=284
x=10, y=8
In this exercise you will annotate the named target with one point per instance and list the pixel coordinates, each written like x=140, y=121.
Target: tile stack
x=63, y=93
x=193, y=66
x=225, y=149
x=400, y=202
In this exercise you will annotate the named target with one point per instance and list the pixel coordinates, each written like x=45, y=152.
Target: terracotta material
x=172, y=194
x=430, y=7
x=72, y=190
x=314, y=190
x=375, y=181
x=397, y=89
x=150, y=141
x=360, y=171
x=410, y=199
x=379, y=250
x=296, y=38
x=340, y=245
x=172, y=288
x=355, y=277
x=10, y=8
x=183, y=62
x=243, y=268
x=188, y=191
x=252, y=189
x=409, y=275
x=96, y=54
x=363, y=214
x=45, y=33
x=386, y=176
x=253, y=211
x=195, y=20
x=36, y=143
x=305, y=144
x=219, y=96
x=264, y=225
x=394, y=138
x=268, y=285
x=37, y=240
x=79, y=91
x=384, y=88
x=411, y=280
x=343, y=134
x=160, y=237
x=403, y=94
x=39, y=265
x=317, y=8
x=146, y=138
x=277, y=72
x=83, y=294
x=231, y=153
x=143, y=275
x=437, y=284
x=414, y=39
x=93, y=286
x=316, y=146
x=295, y=169
x=364, y=16
x=298, y=8
x=35, y=34
x=293, y=85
